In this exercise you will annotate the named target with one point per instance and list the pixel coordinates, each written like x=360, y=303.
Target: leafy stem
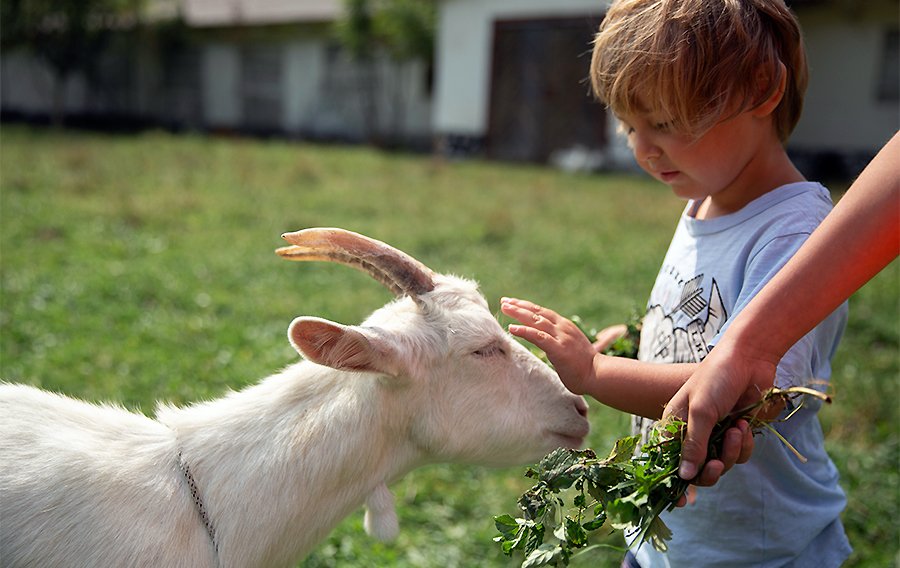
x=626, y=491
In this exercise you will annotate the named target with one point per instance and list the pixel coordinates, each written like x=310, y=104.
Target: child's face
x=720, y=164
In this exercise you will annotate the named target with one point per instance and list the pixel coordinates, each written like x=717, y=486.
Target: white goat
x=259, y=477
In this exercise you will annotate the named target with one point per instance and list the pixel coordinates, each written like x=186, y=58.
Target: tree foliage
x=68, y=35
x=403, y=28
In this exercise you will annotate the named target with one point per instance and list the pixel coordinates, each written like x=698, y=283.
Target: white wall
x=27, y=85
x=463, y=54
x=221, y=86
x=841, y=110
x=844, y=43
x=303, y=61
x=318, y=92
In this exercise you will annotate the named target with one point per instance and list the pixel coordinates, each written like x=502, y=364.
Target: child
x=865, y=225
x=707, y=92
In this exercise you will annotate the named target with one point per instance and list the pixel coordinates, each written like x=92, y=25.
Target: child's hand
x=566, y=346
x=607, y=336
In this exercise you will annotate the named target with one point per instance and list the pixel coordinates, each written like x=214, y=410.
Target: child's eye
x=624, y=127
x=663, y=126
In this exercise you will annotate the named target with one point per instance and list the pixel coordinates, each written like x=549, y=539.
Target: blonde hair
x=698, y=62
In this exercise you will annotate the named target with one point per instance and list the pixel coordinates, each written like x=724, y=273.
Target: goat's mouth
x=573, y=433
x=568, y=440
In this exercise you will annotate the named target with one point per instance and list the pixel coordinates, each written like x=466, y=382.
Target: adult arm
x=855, y=241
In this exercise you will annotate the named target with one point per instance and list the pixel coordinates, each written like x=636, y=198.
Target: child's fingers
x=525, y=304
x=530, y=334
x=519, y=314
x=529, y=314
x=530, y=307
x=608, y=336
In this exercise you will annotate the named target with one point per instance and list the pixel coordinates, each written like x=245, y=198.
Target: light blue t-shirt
x=773, y=510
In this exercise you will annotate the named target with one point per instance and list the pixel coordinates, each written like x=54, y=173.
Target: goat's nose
x=581, y=406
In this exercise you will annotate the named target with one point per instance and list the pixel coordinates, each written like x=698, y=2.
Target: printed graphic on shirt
x=676, y=334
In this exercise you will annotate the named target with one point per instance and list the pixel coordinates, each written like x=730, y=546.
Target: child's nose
x=644, y=148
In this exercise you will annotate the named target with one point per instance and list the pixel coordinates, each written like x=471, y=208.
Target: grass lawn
x=138, y=268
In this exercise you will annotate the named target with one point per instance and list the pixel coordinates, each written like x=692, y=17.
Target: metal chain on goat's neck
x=198, y=503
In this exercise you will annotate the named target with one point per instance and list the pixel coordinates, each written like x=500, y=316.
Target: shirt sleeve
x=807, y=363
x=761, y=267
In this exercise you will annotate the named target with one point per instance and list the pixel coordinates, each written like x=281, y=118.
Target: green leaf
x=621, y=514
x=559, y=470
x=544, y=554
x=630, y=490
x=508, y=546
x=638, y=498
x=623, y=450
x=580, y=500
x=658, y=534
x=596, y=522
x=512, y=532
x=536, y=502
x=507, y=525
x=604, y=476
x=575, y=534
x=535, y=537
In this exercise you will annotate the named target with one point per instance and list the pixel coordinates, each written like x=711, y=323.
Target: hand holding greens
x=625, y=491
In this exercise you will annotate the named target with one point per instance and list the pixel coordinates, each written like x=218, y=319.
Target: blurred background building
x=502, y=79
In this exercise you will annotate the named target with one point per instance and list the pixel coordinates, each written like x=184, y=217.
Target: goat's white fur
x=280, y=463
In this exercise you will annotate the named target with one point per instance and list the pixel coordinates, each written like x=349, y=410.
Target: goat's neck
x=279, y=464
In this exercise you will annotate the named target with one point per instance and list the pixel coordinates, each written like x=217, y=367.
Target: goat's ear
x=349, y=348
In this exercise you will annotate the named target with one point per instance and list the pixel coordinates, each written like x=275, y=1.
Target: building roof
x=210, y=13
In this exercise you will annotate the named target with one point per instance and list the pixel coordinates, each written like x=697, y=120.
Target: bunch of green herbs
x=626, y=490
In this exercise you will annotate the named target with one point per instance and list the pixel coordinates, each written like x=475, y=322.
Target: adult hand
x=858, y=239
x=737, y=446
x=726, y=380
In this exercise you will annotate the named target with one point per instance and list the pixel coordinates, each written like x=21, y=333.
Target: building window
x=261, y=87
x=888, y=90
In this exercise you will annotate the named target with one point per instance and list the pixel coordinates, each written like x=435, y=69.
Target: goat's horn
x=395, y=269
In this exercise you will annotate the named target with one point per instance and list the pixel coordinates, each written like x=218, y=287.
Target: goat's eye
x=490, y=350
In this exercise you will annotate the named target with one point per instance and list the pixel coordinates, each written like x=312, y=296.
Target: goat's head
x=482, y=397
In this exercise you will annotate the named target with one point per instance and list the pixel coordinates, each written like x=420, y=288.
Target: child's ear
x=764, y=80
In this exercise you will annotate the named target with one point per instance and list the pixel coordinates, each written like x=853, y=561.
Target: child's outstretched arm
x=624, y=384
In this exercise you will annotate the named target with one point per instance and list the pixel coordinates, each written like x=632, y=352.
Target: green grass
x=139, y=268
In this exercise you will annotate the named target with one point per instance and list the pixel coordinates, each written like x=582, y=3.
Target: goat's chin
x=566, y=441
x=551, y=442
